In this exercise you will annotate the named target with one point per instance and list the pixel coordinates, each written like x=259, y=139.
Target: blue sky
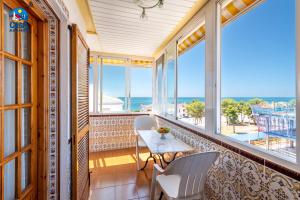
x=258, y=52
x=258, y=59
x=191, y=77
x=114, y=81
x=258, y=55
x=141, y=82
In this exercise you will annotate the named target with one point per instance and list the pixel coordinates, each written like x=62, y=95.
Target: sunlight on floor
x=114, y=175
x=98, y=163
x=119, y=160
x=116, y=160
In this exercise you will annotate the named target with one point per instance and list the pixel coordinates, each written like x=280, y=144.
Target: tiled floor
x=115, y=177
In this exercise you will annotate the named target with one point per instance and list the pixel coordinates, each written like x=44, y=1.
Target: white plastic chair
x=184, y=178
x=142, y=123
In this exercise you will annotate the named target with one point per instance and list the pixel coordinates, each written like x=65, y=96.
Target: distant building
x=112, y=104
x=181, y=111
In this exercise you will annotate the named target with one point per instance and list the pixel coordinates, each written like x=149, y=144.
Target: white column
x=164, y=94
x=96, y=86
x=176, y=79
x=154, y=88
x=127, y=88
x=65, y=110
x=100, y=91
x=212, y=67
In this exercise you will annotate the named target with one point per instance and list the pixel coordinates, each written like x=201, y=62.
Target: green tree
x=226, y=103
x=292, y=103
x=256, y=101
x=231, y=109
x=231, y=112
x=196, y=109
x=244, y=110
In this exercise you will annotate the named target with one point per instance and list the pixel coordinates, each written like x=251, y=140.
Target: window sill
x=183, y=123
x=116, y=114
x=277, y=163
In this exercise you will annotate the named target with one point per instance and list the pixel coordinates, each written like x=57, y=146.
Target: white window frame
x=212, y=13
x=298, y=81
x=98, y=87
x=165, y=81
x=278, y=158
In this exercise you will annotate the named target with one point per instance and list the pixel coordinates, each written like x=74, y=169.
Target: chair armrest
x=158, y=169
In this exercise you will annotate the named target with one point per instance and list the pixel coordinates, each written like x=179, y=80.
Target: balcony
x=255, y=134
x=215, y=83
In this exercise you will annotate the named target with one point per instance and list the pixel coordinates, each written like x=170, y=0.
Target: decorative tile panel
x=234, y=176
x=111, y=132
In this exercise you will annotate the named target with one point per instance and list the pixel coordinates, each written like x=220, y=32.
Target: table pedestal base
x=161, y=160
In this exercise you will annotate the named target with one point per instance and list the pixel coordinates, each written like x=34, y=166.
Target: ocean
x=136, y=102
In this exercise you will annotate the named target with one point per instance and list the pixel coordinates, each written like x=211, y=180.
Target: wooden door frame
x=39, y=83
x=42, y=99
x=42, y=91
x=42, y=111
x=49, y=15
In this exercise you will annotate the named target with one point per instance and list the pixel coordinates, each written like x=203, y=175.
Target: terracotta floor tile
x=102, y=180
x=143, y=190
x=123, y=179
x=126, y=178
x=108, y=193
x=125, y=192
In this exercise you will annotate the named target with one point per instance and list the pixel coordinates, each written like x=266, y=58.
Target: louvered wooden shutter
x=80, y=116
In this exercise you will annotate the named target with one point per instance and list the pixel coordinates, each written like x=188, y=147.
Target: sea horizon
x=137, y=102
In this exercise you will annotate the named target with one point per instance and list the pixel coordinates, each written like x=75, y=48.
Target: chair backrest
x=144, y=123
x=193, y=172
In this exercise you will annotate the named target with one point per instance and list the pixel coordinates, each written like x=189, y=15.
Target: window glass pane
x=10, y=69
x=159, y=86
x=10, y=180
x=10, y=131
x=114, y=96
x=191, y=86
x=25, y=179
x=26, y=127
x=26, y=84
x=91, y=87
x=9, y=37
x=258, y=78
x=170, y=80
x=26, y=44
x=141, y=89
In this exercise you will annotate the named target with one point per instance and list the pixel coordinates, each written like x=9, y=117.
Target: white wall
x=94, y=42
x=75, y=16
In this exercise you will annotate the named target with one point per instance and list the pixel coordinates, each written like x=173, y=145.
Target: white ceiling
x=120, y=29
